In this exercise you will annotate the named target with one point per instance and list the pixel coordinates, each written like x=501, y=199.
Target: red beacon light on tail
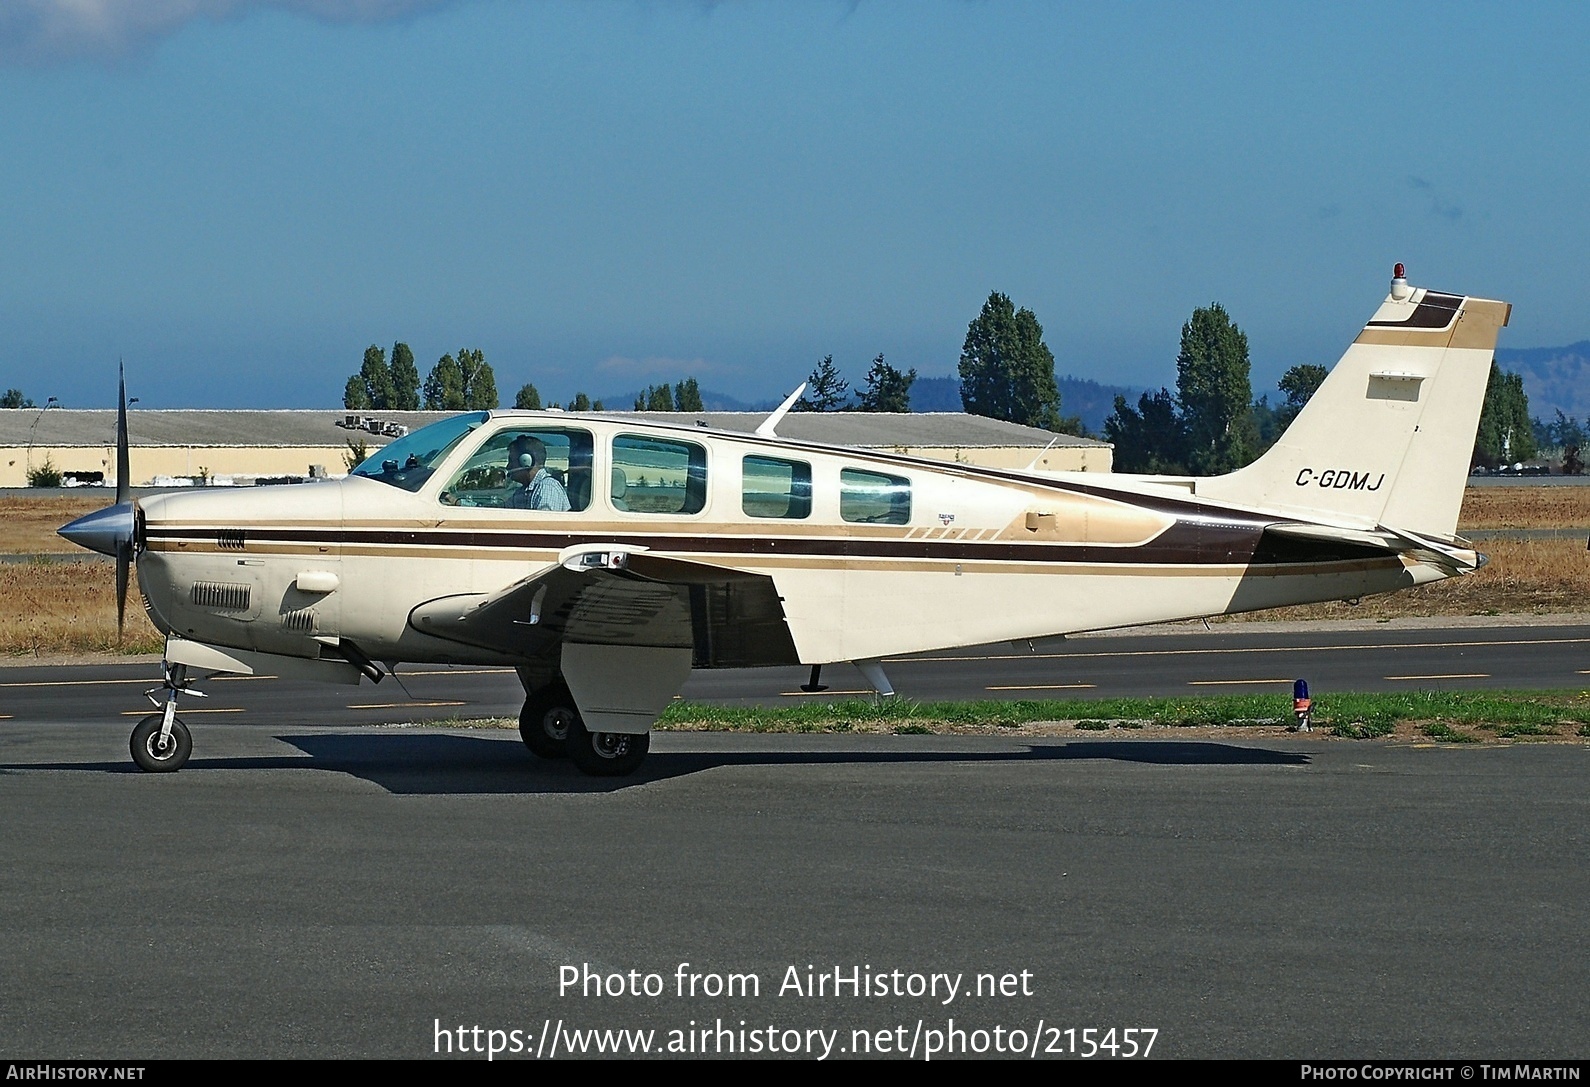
x=1400, y=291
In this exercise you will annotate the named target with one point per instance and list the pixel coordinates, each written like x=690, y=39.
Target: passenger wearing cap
x=537, y=488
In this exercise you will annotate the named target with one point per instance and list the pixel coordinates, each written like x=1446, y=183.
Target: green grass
x=1506, y=713
x=1439, y=730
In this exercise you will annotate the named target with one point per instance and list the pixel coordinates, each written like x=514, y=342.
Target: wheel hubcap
x=556, y=724
x=610, y=745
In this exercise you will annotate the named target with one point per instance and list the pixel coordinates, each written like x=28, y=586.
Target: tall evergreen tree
x=581, y=402
x=1149, y=439
x=1007, y=371
x=528, y=398
x=377, y=378
x=1505, y=433
x=444, y=386
x=405, y=379
x=687, y=396
x=1215, y=392
x=825, y=389
x=660, y=398
x=887, y=388
x=1300, y=383
x=480, y=383
x=354, y=396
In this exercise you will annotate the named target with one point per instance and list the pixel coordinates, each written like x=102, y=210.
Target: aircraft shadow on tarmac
x=442, y=764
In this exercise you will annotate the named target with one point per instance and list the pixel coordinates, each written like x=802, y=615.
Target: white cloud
x=48, y=31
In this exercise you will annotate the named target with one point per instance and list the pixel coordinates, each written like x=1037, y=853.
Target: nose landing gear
x=161, y=743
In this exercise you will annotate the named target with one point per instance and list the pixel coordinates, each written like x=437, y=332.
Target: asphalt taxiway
x=364, y=892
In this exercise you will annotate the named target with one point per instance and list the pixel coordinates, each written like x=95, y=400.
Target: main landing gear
x=161, y=743
x=551, y=727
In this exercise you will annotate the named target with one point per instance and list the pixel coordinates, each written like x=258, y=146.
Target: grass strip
x=1505, y=713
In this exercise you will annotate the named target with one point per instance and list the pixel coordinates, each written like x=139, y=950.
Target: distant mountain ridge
x=1555, y=378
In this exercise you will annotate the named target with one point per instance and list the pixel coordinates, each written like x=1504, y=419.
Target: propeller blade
x=123, y=460
x=123, y=561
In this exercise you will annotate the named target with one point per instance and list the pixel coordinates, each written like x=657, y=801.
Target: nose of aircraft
x=106, y=531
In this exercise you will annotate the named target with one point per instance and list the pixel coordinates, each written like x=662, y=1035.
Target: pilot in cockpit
x=537, y=489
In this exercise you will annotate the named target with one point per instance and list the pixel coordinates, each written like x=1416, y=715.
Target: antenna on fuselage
x=770, y=424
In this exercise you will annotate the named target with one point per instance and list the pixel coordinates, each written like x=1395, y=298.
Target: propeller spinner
x=113, y=530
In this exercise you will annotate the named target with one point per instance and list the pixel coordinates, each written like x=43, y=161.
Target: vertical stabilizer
x=1386, y=440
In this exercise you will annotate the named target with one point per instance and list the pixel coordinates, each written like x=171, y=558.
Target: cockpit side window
x=874, y=497
x=770, y=487
x=658, y=475
x=527, y=468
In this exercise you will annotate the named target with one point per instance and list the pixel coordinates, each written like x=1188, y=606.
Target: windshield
x=409, y=461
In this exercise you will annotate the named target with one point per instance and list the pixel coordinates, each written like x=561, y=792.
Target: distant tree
x=687, y=396
x=825, y=389
x=444, y=386
x=405, y=379
x=1007, y=371
x=354, y=397
x=597, y=406
x=45, y=475
x=1300, y=383
x=1505, y=435
x=528, y=398
x=465, y=383
x=13, y=398
x=480, y=384
x=376, y=377
x=581, y=402
x=1214, y=392
x=660, y=398
x=1148, y=439
x=887, y=388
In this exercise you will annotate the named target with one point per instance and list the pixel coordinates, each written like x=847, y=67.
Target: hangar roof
x=64, y=428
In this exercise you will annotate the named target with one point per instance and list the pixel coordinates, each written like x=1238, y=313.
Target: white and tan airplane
x=682, y=547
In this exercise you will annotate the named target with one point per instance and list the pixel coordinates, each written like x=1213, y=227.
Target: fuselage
x=871, y=554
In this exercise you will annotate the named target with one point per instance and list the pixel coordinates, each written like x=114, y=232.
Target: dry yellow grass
x=1525, y=507
x=28, y=524
x=70, y=606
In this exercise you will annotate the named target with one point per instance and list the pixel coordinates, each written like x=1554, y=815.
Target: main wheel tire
x=148, y=752
x=545, y=721
x=607, y=754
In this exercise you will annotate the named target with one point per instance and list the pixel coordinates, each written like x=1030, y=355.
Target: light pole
x=28, y=460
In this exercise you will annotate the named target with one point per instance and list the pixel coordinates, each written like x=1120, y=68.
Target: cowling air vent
x=299, y=621
x=229, y=539
x=220, y=595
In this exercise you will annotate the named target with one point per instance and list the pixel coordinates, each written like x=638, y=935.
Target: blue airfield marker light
x=1302, y=705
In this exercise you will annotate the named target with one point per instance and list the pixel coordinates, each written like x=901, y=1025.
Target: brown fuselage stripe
x=1185, y=543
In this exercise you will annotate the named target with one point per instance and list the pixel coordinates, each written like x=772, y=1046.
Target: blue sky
x=237, y=197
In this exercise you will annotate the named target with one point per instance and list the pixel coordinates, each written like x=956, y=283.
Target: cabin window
x=776, y=488
x=526, y=468
x=874, y=498
x=658, y=475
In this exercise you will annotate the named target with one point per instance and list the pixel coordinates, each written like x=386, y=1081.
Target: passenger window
x=658, y=475
x=526, y=468
x=874, y=498
x=775, y=488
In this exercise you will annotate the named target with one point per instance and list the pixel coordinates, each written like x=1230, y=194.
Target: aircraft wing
x=1451, y=554
x=620, y=595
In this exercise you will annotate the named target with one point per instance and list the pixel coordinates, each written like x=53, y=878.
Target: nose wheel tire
x=607, y=754
x=154, y=756
x=545, y=721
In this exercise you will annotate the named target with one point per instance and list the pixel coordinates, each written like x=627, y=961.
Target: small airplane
x=603, y=556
